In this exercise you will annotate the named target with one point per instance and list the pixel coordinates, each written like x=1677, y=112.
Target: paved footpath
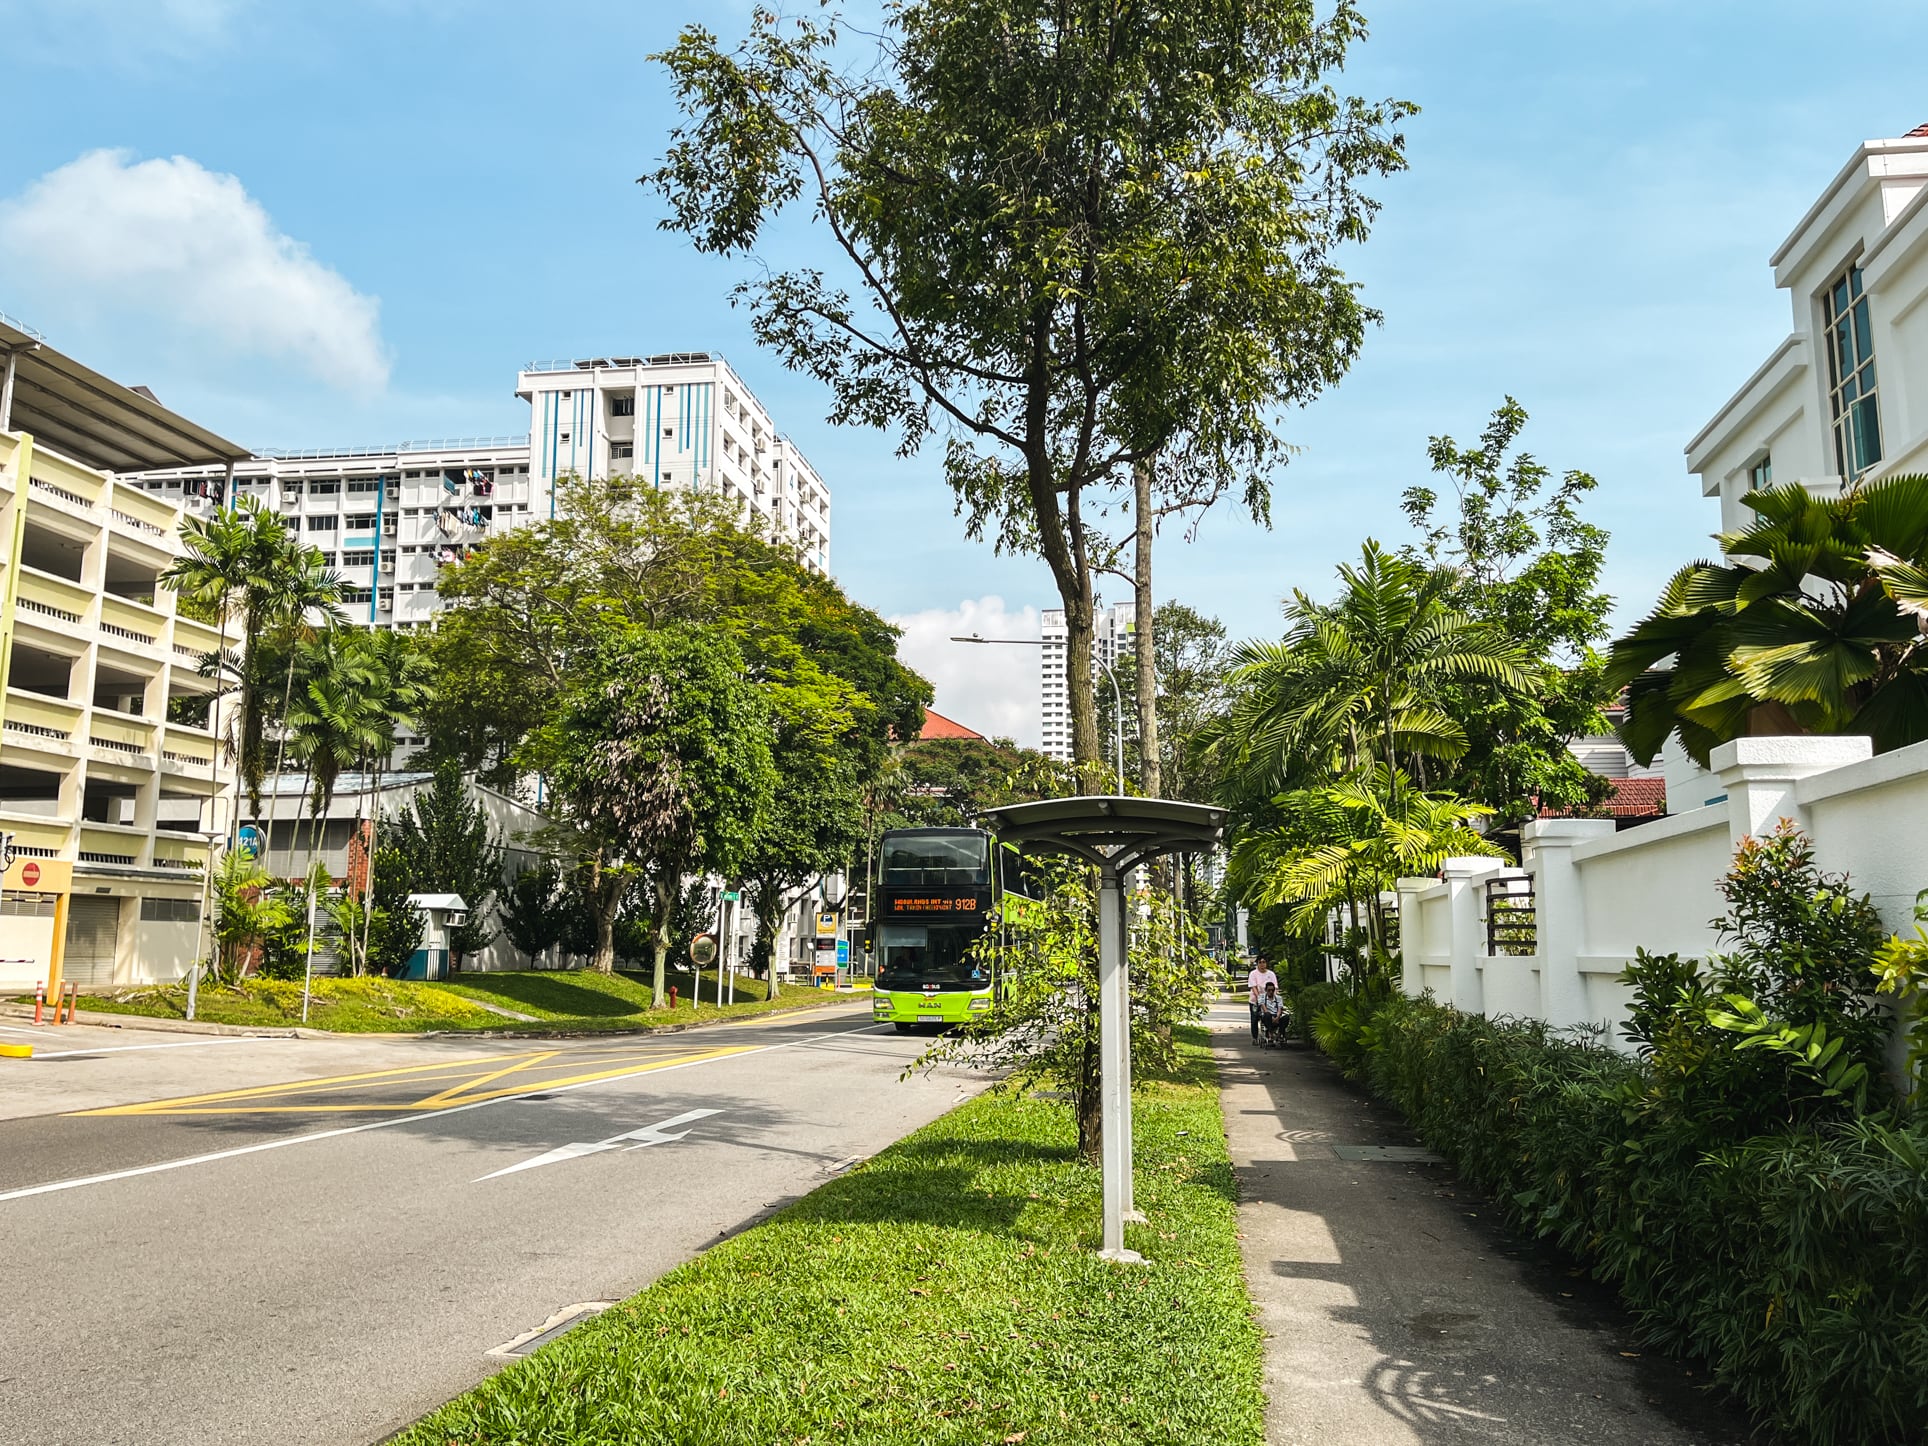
x=1396, y=1313
x=312, y=1241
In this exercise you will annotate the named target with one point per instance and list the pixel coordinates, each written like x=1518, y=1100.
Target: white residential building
x=1111, y=639
x=1844, y=397
x=390, y=518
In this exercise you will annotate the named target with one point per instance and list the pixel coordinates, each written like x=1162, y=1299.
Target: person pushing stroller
x=1272, y=1019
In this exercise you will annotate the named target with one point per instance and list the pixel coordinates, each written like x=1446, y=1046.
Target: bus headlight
x=980, y=1001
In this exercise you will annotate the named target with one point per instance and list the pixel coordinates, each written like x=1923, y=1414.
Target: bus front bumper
x=916, y=1006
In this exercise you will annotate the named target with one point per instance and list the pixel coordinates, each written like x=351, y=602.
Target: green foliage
x=379, y=932
x=1794, y=1263
x=1043, y=956
x=1521, y=559
x=1079, y=239
x=1811, y=624
x=1901, y=972
x=660, y=760
x=535, y=910
x=943, y=1293
x=444, y=835
x=252, y=917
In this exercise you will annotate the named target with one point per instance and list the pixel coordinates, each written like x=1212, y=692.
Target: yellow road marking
x=468, y=1091
x=534, y=1059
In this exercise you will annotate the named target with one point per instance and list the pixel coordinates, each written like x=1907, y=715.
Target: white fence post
x=1546, y=848
x=1759, y=775
x=1466, y=943
x=1412, y=936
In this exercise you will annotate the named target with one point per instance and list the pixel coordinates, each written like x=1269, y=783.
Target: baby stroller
x=1275, y=1030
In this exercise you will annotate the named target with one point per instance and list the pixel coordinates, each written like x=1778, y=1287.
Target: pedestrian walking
x=1255, y=985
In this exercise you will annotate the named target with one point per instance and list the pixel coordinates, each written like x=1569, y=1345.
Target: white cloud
x=178, y=242
x=991, y=689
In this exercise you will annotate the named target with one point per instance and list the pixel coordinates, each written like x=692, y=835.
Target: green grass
x=943, y=1294
x=572, y=1000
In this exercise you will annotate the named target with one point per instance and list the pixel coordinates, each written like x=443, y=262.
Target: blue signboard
x=253, y=842
x=843, y=951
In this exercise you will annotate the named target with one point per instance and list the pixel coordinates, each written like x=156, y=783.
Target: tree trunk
x=665, y=894
x=1090, y=1099
x=606, y=900
x=1143, y=640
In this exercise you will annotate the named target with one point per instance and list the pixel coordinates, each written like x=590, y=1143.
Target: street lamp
x=1117, y=695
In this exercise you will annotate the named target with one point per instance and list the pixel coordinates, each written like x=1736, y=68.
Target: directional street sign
x=253, y=841
x=843, y=951
x=629, y=1140
x=730, y=896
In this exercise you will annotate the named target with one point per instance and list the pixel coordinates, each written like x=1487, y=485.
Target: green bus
x=934, y=892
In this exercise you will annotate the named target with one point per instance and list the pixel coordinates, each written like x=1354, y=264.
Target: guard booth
x=443, y=912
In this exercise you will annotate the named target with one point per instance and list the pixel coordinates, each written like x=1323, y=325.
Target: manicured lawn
x=943, y=1294
x=553, y=999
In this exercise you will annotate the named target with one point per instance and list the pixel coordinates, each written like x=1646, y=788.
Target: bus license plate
x=930, y=1019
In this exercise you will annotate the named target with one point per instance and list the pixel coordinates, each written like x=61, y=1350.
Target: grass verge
x=553, y=1000
x=943, y=1294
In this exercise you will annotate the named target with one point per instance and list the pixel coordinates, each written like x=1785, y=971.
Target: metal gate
x=93, y=934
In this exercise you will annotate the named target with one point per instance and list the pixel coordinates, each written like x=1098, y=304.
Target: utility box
x=443, y=913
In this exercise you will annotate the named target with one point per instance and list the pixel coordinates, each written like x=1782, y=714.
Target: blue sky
x=351, y=221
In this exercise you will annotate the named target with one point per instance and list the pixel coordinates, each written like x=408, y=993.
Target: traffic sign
x=30, y=873
x=843, y=951
x=253, y=841
x=730, y=896
x=826, y=926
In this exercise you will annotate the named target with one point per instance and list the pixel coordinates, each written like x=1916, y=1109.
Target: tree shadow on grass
x=556, y=994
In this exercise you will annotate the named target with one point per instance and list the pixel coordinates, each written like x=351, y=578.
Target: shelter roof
x=97, y=422
x=1115, y=832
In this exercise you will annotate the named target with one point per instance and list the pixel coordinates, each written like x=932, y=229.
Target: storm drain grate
x=1397, y=1154
x=559, y=1324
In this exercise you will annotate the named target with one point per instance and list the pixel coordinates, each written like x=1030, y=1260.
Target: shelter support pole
x=1114, y=1068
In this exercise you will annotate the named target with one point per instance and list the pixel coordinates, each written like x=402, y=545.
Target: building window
x=362, y=522
x=622, y=449
x=622, y=406
x=358, y=559
x=324, y=489
x=1760, y=476
x=1851, y=379
x=322, y=524
x=170, y=911
x=19, y=904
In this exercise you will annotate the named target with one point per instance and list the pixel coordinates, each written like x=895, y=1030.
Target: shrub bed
x=1795, y=1265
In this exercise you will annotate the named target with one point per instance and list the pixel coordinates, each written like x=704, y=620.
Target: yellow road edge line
x=209, y=1104
x=254, y=1091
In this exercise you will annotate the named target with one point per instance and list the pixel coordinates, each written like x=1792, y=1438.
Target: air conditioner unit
x=388, y=564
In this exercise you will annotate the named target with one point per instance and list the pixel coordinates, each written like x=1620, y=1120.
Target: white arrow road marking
x=647, y=1135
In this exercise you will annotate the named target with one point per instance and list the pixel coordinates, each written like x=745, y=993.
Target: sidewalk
x=1396, y=1313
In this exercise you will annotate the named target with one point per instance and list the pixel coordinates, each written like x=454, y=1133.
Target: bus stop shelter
x=1116, y=835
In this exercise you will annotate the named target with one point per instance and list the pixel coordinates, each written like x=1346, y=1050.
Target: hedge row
x=1795, y=1265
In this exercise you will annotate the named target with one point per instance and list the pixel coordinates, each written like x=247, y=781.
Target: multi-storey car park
x=391, y=518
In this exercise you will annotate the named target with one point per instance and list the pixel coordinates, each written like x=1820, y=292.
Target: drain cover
x=563, y=1321
x=1399, y=1154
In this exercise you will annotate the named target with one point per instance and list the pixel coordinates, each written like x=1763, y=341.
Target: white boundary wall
x=1600, y=894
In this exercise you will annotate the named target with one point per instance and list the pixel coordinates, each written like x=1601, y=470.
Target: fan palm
x=1813, y=624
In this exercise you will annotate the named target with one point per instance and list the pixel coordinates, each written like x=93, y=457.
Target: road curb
x=169, y=1026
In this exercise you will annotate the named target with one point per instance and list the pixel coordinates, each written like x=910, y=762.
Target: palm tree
x=398, y=694
x=1342, y=845
x=1357, y=681
x=308, y=606
x=333, y=721
x=1810, y=625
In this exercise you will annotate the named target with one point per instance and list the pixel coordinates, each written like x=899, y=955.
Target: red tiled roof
x=1921, y=130
x=936, y=725
x=1631, y=798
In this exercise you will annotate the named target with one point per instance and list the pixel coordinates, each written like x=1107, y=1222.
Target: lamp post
x=1117, y=694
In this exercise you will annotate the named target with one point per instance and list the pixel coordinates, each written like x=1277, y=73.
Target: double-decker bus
x=933, y=895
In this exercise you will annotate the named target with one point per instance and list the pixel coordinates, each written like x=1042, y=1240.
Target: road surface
x=217, y=1240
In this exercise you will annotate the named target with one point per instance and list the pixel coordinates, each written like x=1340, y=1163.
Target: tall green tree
x=660, y=764
x=535, y=910
x=1521, y=558
x=445, y=837
x=1073, y=234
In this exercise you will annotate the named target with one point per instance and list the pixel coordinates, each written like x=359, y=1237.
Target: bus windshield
x=923, y=860
x=920, y=954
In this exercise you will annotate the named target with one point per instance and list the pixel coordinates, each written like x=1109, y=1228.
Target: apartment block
x=108, y=793
x=389, y=519
x=1111, y=640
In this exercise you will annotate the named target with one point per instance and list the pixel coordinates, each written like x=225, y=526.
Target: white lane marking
x=56, y=1185
x=185, y=1044
x=647, y=1135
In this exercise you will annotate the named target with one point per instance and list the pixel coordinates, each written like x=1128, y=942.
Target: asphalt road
x=317, y=1241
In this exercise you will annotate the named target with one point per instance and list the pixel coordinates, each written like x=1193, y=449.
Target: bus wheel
x=903, y=1028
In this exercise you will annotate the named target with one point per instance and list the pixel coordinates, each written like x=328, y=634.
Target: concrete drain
x=559, y=1324
x=1398, y=1154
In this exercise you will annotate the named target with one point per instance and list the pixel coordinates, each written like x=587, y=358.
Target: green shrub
x=1308, y=1000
